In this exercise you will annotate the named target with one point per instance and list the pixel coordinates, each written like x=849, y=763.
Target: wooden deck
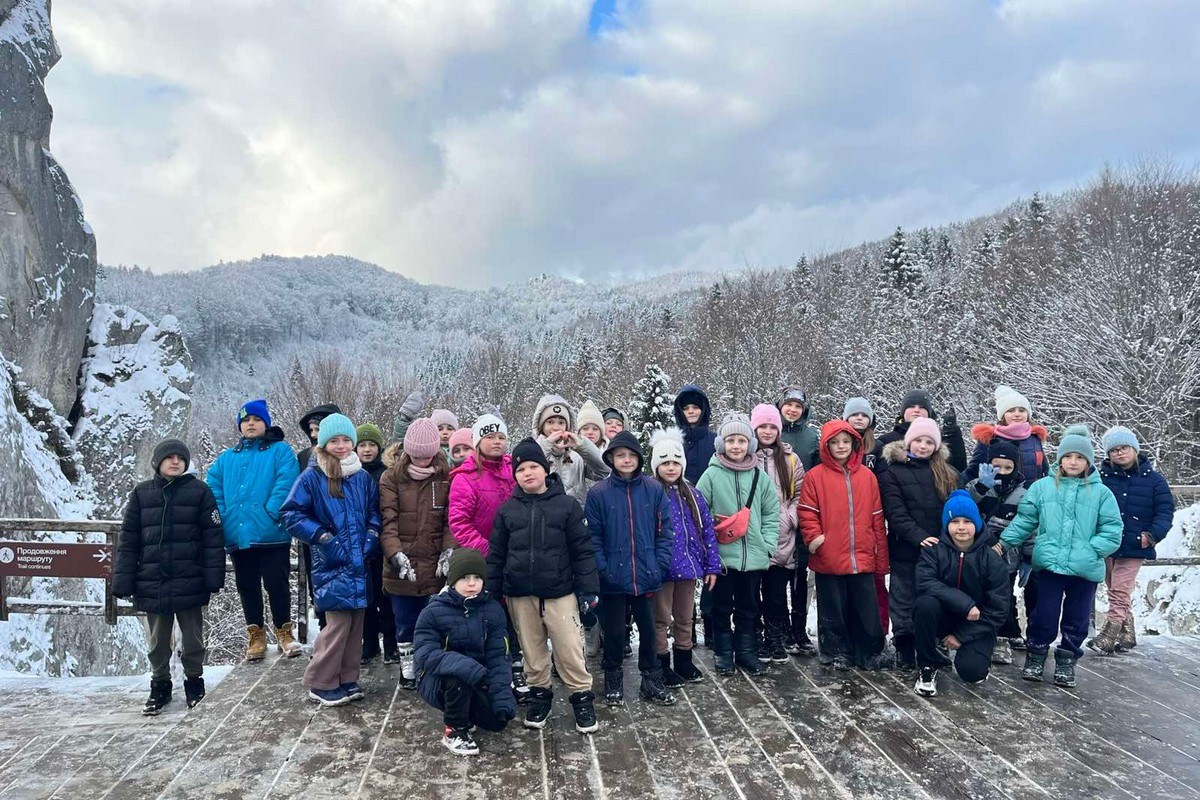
x=1130, y=730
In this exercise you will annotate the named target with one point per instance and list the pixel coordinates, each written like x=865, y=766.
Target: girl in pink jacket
x=481, y=484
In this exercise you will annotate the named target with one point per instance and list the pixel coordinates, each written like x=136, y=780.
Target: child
x=747, y=515
x=1078, y=524
x=963, y=594
x=541, y=554
x=694, y=557
x=461, y=648
x=841, y=524
x=861, y=416
x=591, y=425
x=1147, y=509
x=796, y=432
x=914, y=487
x=916, y=403
x=783, y=467
x=309, y=425
x=575, y=459
x=447, y=424
x=692, y=414
x=334, y=508
x=614, y=422
x=379, y=618
x=632, y=530
x=1012, y=411
x=171, y=560
x=250, y=482
x=460, y=446
x=416, y=541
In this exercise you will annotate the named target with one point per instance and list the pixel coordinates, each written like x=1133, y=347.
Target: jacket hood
x=624, y=439
x=554, y=487
x=552, y=405
x=449, y=597
x=690, y=393
x=897, y=453
x=274, y=434
x=317, y=413
x=796, y=393
x=833, y=428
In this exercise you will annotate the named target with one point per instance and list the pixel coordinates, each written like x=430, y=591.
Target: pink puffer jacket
x=475, y=497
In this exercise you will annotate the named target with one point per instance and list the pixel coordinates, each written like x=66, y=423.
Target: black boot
x=745, y=655
x=583, y=704
x=685, y=668
x=193, y=690
x=723, y=653
x=652, y=688
x=391, y=651
x=540, y=702
x=776, y=633
x=1064, y=668
x=670, y=678
x=160, y=695
x=1035, y=666
x=906, y=656
x=614, y=687
x=628, y=639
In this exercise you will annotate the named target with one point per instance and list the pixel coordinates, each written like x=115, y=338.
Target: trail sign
x=56, y=560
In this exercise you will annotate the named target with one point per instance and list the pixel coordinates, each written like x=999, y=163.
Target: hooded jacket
x=911, y=501
x=785, y=549
x=699, y=443
x=695, y=552
x=998, y=506
x=579, y=469
x=414, y=516
x=727, y=491
x=952, y=439
x=1146, y=504
x=317, y=413
x=250, y=482
x=475, y=497
x=803, y=438
x=1034, y=464
x=960, y=580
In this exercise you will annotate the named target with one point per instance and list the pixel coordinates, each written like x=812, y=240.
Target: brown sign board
x=56, y=560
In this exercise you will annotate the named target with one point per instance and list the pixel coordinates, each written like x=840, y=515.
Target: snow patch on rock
x=1166, y=600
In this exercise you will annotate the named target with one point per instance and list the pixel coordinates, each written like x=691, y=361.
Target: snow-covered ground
x=1167, y=599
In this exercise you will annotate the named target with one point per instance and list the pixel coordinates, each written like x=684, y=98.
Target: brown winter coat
x=414, y=523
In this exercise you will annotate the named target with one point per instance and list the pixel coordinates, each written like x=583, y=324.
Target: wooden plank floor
x=1131, y=729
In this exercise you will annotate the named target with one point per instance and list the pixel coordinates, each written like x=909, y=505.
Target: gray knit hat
x=858, y=405
x=1120, y=435
x=735, y=423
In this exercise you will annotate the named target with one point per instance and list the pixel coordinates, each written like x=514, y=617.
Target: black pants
x=902, y=594
x=464, y=705
x=612, y=622
x=776, y=586
x=735, y=601
x=379, y=618
x=800, y=594
x=933, y=622
x=848, y=617
x=256, y=567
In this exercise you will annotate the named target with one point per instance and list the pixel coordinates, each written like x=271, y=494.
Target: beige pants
x=337, y=657
x=558, y=620
x=673, y=605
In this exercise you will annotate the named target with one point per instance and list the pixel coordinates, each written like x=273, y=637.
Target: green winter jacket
x=726, y=492
x=1078, y=524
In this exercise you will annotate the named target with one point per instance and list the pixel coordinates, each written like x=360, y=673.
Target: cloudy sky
x=478, y=142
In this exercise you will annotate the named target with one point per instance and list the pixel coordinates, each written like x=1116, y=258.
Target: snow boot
x=256, y=646
x=1105, y=641
x=583, y=704
x=652, y=688
x=540, y=702
x=1035, y=666
x=841, y=662
x=745, y=655
x=1002, y=652
x=906, y=656
x=670, y=678
x=193, y=690
x=614, y=687
x=1017, y=642
x=288, y=646
x=391, y=652
x=926, y=685
x=1064, y=668
x=160, y=695
x=686, y=668
x=1127, y=638
x=591, y=641
x=723, y=653
x=775, y=634
x=519, y=683
x=408, y=670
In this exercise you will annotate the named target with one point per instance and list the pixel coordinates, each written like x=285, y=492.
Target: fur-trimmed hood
x=897, y=453
x=552, y=405
x=986, y=431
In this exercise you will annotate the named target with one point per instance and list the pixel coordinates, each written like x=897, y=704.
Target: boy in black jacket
x=171, y=560
x=542, y=554
x=962, y=597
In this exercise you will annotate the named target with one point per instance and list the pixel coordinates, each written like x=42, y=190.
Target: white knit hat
x=1008, y=397
x=485, y=425
x=667, y=445
x=589, y=414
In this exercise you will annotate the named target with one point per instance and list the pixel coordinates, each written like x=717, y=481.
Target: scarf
x=350, y=464
x=748, y=464
x=1014, y=432
x=420, y=472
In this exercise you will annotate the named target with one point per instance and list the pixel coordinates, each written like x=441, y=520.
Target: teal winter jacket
x=726, y=492
x=250, y=482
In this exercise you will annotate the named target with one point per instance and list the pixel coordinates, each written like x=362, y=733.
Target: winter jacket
x=694, y=553
x=804, y=439
x=340, y=579
x=375, y=469
x=463, y=638
x=1034, y=464
x=170, y=555
x=785, y=550
x=842, y=504
x=1078, y=524
x=998, y=506
x=476, y=496
x=726, y=491
x=414, y=523
x=1146, y=504
x=318, y=413
x=540, y=546
x=961, y=580
x=952, y=440
x=250, y=481
x=911, y=501
x=699, y=441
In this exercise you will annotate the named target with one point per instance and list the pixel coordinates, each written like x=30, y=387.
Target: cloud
x=479, y=143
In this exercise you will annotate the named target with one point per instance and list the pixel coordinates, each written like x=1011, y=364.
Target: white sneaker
x=926, y=685
x=461, y=743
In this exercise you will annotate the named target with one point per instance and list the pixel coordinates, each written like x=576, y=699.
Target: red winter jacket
x=842, y=504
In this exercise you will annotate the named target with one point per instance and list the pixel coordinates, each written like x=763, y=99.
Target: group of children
x=482, y=566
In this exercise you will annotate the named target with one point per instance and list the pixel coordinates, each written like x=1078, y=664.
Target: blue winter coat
x=634, y=533
x=466, y=639
x=1146, y=504
x=699, y=442
x=250, y=482
x=340, y=580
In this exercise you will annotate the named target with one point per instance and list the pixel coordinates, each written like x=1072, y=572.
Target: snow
x=10, y=679
x=1167, y=599
x=27, y=28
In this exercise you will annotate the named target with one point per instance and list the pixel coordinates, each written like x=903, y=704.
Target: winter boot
x=369, y=651
x=906, y=657
x=1017, y=642
x=685, y=668
x=160, y=695
x=1035, y=666
x=841, y=662
x=1002, y=652
x=256, y=647
x=1105, y=641
x=193, y=690
x=288, y=646
x=583, y=704
x=723, y=653
x=628, y=639
x=408, y=671
x=614, y=687
x=927, y=682
x=804, y=646
x=670, y=678
x=776, y=653
x=391, y=653
x=591, y=641
x=1127, y=638
x=745, y=655
x=706, y=628
x=519, y=683
x=540, y=702
x=1064, y=668
x=652, y=688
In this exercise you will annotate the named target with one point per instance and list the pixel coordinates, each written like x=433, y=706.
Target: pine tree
x=1037, y=214
x=901, y=273
x=206, y=453
x=652, y=406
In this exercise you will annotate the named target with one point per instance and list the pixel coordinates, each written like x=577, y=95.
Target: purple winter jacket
x=694, y=553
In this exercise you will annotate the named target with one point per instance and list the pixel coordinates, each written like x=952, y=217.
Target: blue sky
x=481, y=143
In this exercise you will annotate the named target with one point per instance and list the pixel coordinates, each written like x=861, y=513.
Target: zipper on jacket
x=958, y=583
x=850, y=500
x=531, y=510
x=737, y=493
x=632, y=548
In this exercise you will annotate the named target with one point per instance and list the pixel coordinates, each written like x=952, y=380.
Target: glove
x=816, y=543
x=325, y=538
x=404, y=568
x=443, y=565
x=950, y=418
x=587, y=604
x=987, y=475
x=412, y=405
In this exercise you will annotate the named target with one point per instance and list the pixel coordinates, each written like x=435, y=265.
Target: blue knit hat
x=858, y=405
x=1077, y=439
x=336, y=425
x=1117, y=436
x=960, y=504
x=256, y=408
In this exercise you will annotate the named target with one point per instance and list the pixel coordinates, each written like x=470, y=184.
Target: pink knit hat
x=441, y=416
x=460, y=436
x=923, y=426
x=765, y=414
x=421, y=440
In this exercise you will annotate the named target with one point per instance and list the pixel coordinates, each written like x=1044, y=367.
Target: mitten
x=404, y=568
x=443, y=565
x=412, y=405
x=987, y=475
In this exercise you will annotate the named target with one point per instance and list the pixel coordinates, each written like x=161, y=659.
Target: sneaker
x=540, y=702
x=329, y=697
x=408, y=671
x=353, y=691
x=193, y=689
x=926, y=685
x=583, y=704
x=805, y=648
x=1002, y=652
x=519, y=683
x=614, y=687
x=461, y=743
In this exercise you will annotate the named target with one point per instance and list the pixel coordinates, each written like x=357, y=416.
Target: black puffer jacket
x=171, y=553
x=911, y=503
x=977, y=577
x=540, y=546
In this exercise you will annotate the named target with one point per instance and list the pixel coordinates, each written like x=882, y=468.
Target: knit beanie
x=169, y=447
x=1117, y=436
x=256, y=408
x=917, y=397
x=667, y=445
x=858, y=405
x=735, y=423
x=923, y=426
x=765, y=414
x=529, y=450
x=1077, y=439
x=1008, y=397
x=460, y=436
x=370, y=432
x=466, y=561
x=486, y=425
x=960, y=504
x=589, y=414
x=336, y=425
x=1000, y=448
x=422, y=440
x=793, y=393
x=552, y=405
x=441, y=416
x=614, y=413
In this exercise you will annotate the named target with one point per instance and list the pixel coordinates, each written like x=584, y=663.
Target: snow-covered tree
x=652, y=406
